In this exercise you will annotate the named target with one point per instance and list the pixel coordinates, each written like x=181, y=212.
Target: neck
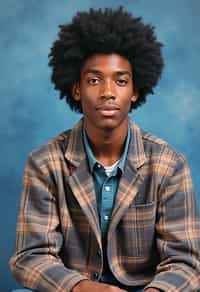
x=107, y=145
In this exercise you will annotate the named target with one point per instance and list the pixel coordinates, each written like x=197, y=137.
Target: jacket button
x=95, y=276
x=98, y=252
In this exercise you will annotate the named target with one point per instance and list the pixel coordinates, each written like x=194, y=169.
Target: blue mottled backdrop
x=31, y=113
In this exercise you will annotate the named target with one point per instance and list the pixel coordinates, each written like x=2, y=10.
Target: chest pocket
x=137, y=230
x=145, y=215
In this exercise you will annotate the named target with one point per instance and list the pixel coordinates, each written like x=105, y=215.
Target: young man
x=107, y=206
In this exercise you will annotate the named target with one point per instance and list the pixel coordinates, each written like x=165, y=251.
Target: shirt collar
x=93, y=161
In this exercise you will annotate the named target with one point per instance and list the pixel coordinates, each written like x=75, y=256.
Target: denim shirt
x=106, y=189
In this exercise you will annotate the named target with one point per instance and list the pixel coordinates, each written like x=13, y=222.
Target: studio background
x=31, y=112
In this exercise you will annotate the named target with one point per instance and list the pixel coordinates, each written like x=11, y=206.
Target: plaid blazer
x=154, y=231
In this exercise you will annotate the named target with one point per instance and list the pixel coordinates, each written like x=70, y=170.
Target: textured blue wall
x=31, y=114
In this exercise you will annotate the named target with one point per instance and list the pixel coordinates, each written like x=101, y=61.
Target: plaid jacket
x=154, y=232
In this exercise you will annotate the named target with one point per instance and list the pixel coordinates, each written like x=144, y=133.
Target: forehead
x=106, y=62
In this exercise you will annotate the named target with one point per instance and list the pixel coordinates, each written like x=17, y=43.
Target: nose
x=107, y=89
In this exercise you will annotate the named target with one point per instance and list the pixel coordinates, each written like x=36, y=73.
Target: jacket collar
x=136, y=153
x=75, y=151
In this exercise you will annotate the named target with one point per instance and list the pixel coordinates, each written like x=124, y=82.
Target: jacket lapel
x=131, y=179
x=81, y=181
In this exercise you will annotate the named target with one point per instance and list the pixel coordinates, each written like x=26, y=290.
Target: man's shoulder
x=154, y=143
x=148, y=137
x=56, y=146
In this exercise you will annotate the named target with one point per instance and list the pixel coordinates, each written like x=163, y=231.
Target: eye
x=93, y=81
x=122, y=82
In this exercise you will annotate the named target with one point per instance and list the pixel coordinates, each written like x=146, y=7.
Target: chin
x=109, y=126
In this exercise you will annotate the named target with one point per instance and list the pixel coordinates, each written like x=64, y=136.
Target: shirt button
x=106, y=217
x=107, y=188
x=98, y=165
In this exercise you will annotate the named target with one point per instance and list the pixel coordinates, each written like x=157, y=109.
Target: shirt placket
x=107, y=197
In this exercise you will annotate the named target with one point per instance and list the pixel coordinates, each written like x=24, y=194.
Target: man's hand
x=87, y=285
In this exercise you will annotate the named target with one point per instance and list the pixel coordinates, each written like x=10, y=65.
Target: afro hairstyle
x=105, y=31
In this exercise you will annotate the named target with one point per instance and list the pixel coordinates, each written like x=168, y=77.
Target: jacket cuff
x=74, y=280
x=175, y=281
x=160, y=285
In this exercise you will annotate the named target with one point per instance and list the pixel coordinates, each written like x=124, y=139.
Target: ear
x=134, y=97
x=76, y=92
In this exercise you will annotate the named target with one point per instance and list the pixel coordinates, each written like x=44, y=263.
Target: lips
x=109, y=107
x=107, y=110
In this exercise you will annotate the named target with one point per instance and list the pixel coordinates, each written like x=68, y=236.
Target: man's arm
x=36, y=263
x=178, y=234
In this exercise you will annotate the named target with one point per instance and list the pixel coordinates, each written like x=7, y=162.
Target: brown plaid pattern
x=154, y=232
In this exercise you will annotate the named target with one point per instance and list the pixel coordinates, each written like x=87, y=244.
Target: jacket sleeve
x=178, y=233
x=36, y=263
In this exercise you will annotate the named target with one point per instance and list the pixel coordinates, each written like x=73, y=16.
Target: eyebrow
x=117, y=72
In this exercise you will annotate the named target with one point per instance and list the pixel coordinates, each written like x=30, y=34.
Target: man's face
x=105, y=91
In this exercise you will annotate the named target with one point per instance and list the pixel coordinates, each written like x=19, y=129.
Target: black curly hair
x=105, y=31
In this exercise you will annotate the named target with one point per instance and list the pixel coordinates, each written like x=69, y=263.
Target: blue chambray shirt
x=106, y=189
